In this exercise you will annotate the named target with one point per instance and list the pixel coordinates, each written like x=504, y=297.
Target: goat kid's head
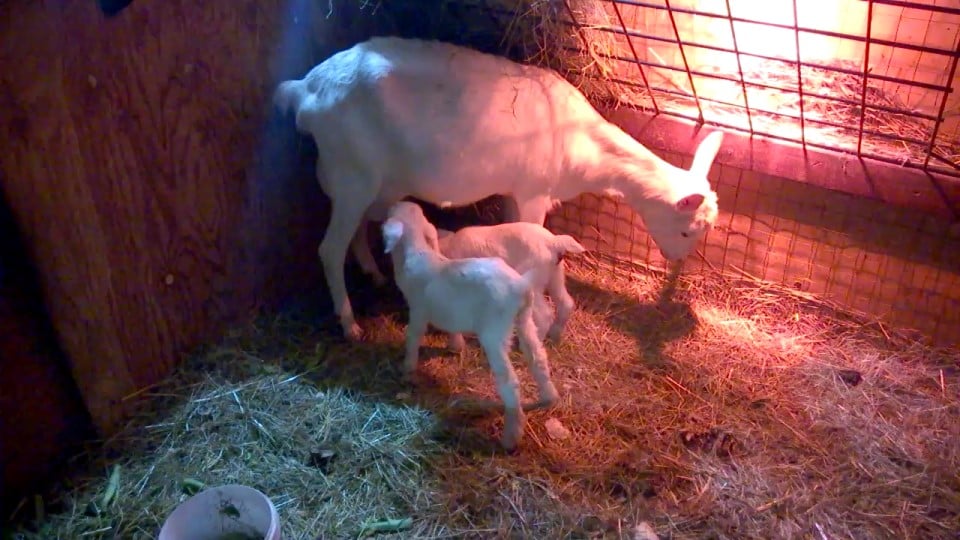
x=678, y=222
x=406, y=218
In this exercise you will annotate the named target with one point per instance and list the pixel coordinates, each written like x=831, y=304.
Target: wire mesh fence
x=867, y=77
x=899, y=265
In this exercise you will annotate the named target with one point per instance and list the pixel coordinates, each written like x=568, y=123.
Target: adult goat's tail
x=288, y=96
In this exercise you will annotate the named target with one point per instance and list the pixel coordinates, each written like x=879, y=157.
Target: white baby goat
x=478, y=295
x=522, y=246
x=394, y=118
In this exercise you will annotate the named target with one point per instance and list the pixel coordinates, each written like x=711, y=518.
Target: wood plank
x=129, y=164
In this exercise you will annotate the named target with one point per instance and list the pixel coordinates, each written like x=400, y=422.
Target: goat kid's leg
x=542, y=315
x=561, y=297
x=360, y=246
x=416, y=328
x=537, y=362
x=508, y=387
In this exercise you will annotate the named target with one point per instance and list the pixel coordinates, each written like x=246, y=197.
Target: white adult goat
x=522, y=246
x=484, y=296
x=394, y=118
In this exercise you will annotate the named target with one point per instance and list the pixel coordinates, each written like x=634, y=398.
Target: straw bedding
x=726, y=409
x=729, y=408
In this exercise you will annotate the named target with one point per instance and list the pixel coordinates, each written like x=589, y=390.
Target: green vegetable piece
x=113, y=485
x=191, y=486
x=387, y=525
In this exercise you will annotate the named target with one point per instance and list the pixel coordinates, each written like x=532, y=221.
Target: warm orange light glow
x=829, y=15
x=761, y=38
x=765, y=28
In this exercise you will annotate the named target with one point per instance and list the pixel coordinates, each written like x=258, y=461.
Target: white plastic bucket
x=215, y=513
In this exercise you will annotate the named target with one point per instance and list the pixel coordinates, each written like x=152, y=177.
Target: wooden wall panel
x=42, y=419
x=129, y=158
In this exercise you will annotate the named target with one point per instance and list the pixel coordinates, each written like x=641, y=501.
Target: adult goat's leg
x=533, y=209
x=511, y=210
x=360, y=246
x=416, y=328
x=347, y=210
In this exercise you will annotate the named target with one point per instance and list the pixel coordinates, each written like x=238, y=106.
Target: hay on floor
x=735, y=410
x=329, y=459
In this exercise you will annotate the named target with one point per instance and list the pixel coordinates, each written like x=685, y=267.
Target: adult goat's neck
x=617, y=165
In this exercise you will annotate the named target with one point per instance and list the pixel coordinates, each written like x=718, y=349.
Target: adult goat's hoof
x=456, y=343
x=353, y=332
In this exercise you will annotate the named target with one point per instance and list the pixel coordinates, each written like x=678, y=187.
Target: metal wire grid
x=858, y=253
x=932, y=161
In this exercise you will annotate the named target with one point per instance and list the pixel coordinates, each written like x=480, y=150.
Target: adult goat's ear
x=392, y=232
x=706, y=153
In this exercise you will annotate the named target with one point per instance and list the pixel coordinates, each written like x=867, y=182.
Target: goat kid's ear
x=392, y=231
x=690, y=203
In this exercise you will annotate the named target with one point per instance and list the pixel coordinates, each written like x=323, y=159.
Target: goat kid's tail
x=288, y=96
x=528, y=278
x=563, y=244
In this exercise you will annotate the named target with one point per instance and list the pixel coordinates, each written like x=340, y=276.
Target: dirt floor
x=732, y=410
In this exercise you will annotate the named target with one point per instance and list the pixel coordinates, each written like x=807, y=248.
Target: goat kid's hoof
x=555, y=335
x=510, y=441
x=543, y=403
x=550, y=397
x=512, y=431
x=548, y=402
